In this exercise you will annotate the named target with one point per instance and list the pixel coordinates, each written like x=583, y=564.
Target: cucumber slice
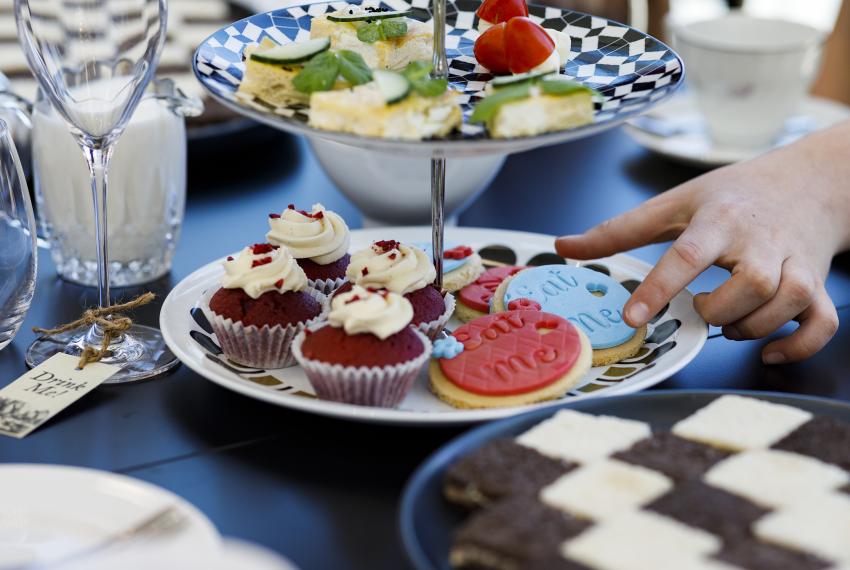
x=503, y=80
x=364, y=16
x=394, y=86
x=292, y=53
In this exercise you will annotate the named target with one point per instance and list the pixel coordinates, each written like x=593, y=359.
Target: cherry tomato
x=490, y=49
x=498, y=11
x=527, y=45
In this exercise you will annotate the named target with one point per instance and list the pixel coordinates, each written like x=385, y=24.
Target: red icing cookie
x=523, y=304
x=477, y=295
x=505, y=354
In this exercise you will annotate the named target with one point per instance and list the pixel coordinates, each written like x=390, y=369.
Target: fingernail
x=732, y=333
x=774, y=358
x=638, y=313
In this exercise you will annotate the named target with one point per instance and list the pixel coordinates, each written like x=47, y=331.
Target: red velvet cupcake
x=318, y=240
x=406, y=270
x=263, y=303
x=367, y=353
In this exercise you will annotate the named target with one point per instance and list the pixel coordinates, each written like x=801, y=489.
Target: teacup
x=749, y=74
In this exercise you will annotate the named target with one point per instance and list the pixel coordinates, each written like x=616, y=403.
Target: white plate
x=695, y=147
x=52, y=511
x=289, y=387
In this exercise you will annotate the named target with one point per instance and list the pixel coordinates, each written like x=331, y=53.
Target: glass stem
x=440, y=62
x=438, y=200
x=98, y=162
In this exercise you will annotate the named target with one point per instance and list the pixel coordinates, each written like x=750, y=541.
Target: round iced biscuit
x=465, y=313
x=464, y=275
x=457, y=397
x=602, y=356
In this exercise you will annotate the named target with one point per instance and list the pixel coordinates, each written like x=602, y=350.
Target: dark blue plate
x=428, y=521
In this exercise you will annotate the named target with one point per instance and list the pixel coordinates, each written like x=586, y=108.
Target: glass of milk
x=147, y=190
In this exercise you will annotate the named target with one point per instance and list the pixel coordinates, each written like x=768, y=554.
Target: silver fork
x=165, y=521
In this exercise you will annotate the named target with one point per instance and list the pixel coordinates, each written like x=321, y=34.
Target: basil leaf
x=318, y=74
x=352, y=67
x=417, y=70
x=429, y=87
x=490, y=105
x=369, y=33
x=562, y=87
x=393, y=28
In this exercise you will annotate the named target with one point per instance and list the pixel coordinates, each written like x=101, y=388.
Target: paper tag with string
x=46, y=390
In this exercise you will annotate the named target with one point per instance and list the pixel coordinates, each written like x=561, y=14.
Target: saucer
x=676, y=130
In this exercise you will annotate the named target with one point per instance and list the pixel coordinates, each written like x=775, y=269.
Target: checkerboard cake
x=741, y=484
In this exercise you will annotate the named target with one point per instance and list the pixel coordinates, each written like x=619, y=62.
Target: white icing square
x=820, y=526
x=605, y=489
x=582, y=438
x=773, y=478
x=640, y=540
x=737, y=422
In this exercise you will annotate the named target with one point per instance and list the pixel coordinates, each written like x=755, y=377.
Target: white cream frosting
x=251, y=272
x=381, y=313
x=323, y=239
x=401, y=269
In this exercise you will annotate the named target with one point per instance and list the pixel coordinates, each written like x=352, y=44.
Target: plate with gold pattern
x=674, y=337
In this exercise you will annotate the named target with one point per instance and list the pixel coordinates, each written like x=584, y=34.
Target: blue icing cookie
x=566, y=291
x=448, y=264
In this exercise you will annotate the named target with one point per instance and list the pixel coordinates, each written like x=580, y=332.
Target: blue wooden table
x=320, y=491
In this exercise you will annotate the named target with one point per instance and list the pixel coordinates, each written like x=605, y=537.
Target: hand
x=774, y=222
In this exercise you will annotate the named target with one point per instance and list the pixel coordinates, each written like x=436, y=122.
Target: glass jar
x=147, y=190
x=17, y=241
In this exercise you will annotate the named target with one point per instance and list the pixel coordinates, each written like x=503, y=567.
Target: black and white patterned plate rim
x=631, y=70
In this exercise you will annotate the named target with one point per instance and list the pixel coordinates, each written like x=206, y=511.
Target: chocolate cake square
x=678, y=458
x=699, y=505
x=519, y=532
x=827, y=439
x=757, y=555
x=500, y=469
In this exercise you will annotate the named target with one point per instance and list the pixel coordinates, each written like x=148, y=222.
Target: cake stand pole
x=438, y=159
x=438, y=200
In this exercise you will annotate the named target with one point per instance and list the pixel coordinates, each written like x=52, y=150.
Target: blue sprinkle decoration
x=447, y=348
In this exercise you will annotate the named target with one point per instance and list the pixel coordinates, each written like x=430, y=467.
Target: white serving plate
x=289, y=387
x=52, y=512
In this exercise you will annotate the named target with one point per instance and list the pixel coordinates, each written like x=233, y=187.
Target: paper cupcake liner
x=383, y=387
x=433, y=328
x=260, y=347
x=326, y=286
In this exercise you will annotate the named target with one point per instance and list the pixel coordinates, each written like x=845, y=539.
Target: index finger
x=656, y=220
x=692, y=253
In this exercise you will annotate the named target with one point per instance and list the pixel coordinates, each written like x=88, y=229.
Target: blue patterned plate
x=427, y=521
x=674, y=337
x=632, y=70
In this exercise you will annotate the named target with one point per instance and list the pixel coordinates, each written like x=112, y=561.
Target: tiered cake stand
x=631, y=70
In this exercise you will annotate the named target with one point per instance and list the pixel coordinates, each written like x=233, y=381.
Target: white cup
x=749, y=74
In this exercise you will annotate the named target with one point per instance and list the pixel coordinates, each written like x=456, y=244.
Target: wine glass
x=93, y=60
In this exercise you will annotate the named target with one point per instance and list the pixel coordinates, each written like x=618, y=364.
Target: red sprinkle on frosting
x=274, y=216
x=260, y=248
x=354, y=299
x=278, y=283
x=229, y=258
x=392, y=255
x=290, y=207
x=365, y=272
x=263, y=261
x=385, y=246
x=459, y=252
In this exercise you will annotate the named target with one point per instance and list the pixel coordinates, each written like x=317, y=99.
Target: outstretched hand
x=774, y=222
